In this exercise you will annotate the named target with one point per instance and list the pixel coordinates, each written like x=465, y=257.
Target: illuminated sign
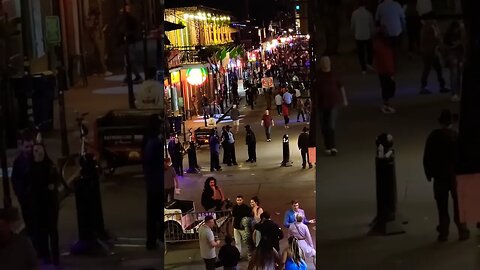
x=196, y=76
x=175, y=77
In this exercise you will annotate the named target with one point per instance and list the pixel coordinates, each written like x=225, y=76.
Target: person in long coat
x=175, y=149
x=251, y=144
x=300, y=231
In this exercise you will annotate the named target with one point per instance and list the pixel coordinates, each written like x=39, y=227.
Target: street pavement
x=342, y=194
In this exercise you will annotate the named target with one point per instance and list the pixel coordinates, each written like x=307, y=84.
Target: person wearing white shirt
x=363, y=27
x=278, y=102
x=391, y=17
x=208, y=243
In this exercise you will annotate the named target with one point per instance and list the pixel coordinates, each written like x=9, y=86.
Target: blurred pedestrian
x=170, y=182
x=300, y=231
x=439, y=162
x=285, y=113
x=391, y=17
x=128, y=28
x=208, y=243
x=278, y=102
x=293, y=257
x=363, y=27
x=16, y=250
x=385, y=65
x=291, y=215
x=235, y=116
x=251, y=142
x=303, y=140
x=265, y=257
x=224, y=143
x=152, y=157
x=332, y=96
x=268, y=230
x=287, y=98
x=240, y=211
x=455, y=54
x=44, y=183
x=176, y=150
x=214, y=143
x=212, y=195
x=301, y=110
x=431, y=41
x=228, y=255
x=230, y=139
x=21, y=181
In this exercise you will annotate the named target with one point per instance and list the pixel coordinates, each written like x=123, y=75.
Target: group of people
x=35, y=183
x=257, y=237
x=379, y=41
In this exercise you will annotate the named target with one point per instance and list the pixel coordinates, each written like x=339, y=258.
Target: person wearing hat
x=303, y=147
x=16, y=250
x=251, y=144
x=439, y=159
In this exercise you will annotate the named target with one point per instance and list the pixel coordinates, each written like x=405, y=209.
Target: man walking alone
x=303, y=146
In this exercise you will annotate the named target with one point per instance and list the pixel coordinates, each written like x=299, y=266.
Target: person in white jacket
x=149, y=94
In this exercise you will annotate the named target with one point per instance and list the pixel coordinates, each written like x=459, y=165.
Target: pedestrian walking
x=214, y=143
x=268, y=230
x=291, y=215
x=285, y=113
x=391, y=17
x=43, y=194
x=439, y=162
x=212, y=195
x=363, y=27
x=413, y=26
x=278, y=102
x=240, y=211
x=16, y=250
x=300, y=231
x=128, y=28
x=267, y=123
x=303, y=140
x=331, y=95
x=293, y=257
x=21, y=181
x=175, y=149
x=287, y=98
x=235, y=116
x=251, y=142
x=230, y=145
x=268, y=97
x=455, y=54
x=170, y=182
x=385, y=65
x=152, y=156
x=228, y=255
x=208, y=243
x=205, y=106
x=265, y=257
x=308, y=109
x=194, y=102
x=431, y=42
x=301, y=110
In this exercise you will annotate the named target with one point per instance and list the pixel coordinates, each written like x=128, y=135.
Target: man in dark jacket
x=251, y=144
x=439, y=161
x=303, y=147
x=240, y=211
x=153, y=173
x=129, y=31
x=214, y=143
x=269, y=230
x=20, y=179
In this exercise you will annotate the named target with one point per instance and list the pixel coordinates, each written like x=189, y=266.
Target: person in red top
x=267, y=123
x=385, y=65
x=331, y=96
x=285, y=114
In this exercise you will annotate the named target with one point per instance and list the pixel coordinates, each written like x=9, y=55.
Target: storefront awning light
x=196, y=76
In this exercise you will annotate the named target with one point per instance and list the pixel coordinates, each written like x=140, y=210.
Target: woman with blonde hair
x=293, y=257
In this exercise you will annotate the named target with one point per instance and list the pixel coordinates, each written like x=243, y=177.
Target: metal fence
x=183, y=227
